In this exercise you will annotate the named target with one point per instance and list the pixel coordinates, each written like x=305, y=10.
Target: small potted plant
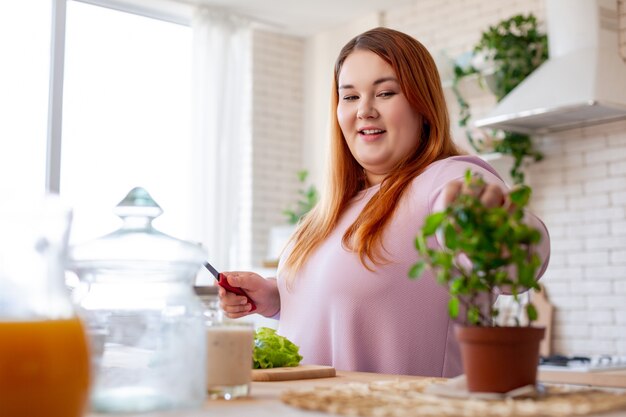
x=482, y=251
x=308, y=199
x=280, y=235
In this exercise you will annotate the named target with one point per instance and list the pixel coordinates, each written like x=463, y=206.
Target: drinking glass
x=229, y=358
x=44, y=355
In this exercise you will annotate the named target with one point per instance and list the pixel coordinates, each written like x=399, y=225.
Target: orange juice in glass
x=44, y=355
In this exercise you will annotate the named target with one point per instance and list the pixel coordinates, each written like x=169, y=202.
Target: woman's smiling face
x=376, y=119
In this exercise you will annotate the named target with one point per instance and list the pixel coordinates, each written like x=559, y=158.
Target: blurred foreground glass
x=136, y=294
x=44, y=357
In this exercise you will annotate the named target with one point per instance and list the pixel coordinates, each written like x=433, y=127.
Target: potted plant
x=280, y=235
x=308, y=199
x=484, y=250
x=506, y=53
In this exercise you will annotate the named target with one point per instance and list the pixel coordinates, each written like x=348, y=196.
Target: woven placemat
x=407, y=399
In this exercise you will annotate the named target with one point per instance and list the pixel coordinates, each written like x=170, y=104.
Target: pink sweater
x=343, y=315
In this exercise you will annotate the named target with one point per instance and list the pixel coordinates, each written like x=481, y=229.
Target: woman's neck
x=373, y=179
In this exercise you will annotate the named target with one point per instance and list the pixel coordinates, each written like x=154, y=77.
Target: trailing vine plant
x=516, y=48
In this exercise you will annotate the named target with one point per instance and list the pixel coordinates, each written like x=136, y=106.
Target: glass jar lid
x=137, y=245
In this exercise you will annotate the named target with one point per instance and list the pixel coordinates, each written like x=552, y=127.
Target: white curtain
x=222, y=130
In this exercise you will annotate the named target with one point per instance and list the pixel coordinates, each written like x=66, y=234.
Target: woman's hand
x=490, y=195
x=264, y=293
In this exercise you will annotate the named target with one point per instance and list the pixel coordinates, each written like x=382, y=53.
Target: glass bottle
x=137, y=296
x=44, y=355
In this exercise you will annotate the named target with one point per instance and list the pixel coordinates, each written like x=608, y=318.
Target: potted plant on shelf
x=308, y=199
x=506, y=53
x=279, y=235
x=484, y=250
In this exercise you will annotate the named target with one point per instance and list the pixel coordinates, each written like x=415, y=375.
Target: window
x=24, y=74
x=126, y=117
x=96, y=99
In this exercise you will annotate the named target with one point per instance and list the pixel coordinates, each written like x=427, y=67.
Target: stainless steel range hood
x=582, y=83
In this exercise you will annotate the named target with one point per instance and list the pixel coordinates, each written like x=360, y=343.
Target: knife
x=223, y=282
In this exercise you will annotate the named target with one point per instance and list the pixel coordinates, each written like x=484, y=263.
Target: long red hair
x=420, y=83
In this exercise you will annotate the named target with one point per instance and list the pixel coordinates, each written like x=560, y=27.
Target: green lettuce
x=272, y=350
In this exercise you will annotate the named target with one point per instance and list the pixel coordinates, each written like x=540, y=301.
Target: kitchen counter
x=264, y=400
x=608, y=378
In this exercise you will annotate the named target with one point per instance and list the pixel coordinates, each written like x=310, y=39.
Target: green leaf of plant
x=420, y=243
x=450, y=236
x=531, y=312
x=302, y=175
x=443, y=275
x=468, y=177
x=473, y=315
x=433, y=222
x=520, y=196
x=453, y=307
x=443, y=259
x=417, y=270
x=457, y=286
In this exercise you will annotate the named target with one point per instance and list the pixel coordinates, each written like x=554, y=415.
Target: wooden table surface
x=613, y=379
x=264, y=399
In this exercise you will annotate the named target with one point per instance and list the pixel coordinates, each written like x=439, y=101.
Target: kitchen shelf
x=469, y=86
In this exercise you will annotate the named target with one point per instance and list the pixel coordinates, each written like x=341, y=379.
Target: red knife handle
x=223, y=282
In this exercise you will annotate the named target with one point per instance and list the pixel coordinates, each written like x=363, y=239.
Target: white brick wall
x=581, y=194
x=277, y=132
x=454, y=26
x=591, y=236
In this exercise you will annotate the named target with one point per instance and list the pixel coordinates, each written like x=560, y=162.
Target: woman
x=342, y=290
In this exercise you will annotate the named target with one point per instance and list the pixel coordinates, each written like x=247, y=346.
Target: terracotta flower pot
x=499, y=359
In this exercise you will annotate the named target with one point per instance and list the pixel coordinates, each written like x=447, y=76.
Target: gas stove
x=582, y=363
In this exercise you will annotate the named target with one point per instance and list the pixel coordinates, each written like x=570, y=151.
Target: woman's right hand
x=264, y=293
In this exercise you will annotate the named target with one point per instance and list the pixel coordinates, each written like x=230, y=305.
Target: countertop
x=608, y=378
x=264, y=399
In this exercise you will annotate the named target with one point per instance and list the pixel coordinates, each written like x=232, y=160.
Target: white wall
x=582, y=198
x=277, y=119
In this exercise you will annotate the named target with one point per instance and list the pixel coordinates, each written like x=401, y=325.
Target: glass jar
x=44, y=356
x=137, y=295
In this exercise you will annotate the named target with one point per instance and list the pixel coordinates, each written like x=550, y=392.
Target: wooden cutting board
x=293, y=372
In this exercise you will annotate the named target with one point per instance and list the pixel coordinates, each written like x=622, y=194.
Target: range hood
x=582, y=83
